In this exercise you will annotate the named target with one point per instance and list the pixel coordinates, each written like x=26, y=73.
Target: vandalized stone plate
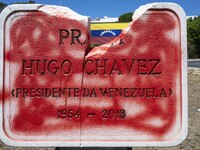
x=131, y=91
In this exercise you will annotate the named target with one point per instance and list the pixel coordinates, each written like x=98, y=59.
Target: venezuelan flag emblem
x=105, y=32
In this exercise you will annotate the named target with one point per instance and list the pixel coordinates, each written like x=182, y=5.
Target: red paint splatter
x=145, y=39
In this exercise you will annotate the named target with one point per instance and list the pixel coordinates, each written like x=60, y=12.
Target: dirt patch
x=193, y=139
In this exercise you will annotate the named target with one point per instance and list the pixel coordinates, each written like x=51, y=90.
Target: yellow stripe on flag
x=108, y=26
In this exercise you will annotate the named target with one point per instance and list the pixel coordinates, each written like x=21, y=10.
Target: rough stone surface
x=130, y=91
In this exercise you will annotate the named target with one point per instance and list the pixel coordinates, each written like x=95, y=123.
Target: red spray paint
x=146, y=57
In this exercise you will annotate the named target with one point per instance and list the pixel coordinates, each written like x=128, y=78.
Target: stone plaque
x=55, y=91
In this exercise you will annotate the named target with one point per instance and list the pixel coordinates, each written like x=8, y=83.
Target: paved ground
x=194, y=63
x=193, y=139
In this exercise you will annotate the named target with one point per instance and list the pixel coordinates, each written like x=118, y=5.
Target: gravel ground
x=193, y=139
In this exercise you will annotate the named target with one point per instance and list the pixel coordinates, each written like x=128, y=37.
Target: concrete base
x=93, y=148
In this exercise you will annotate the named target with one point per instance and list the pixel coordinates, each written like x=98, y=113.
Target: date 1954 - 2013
x=104, y=114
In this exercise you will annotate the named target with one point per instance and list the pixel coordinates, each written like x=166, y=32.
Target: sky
x=113, y=8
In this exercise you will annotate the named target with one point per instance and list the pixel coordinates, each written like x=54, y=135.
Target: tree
x=29, y=2
x=127, y=17
x=193, y=36
x=2, y=6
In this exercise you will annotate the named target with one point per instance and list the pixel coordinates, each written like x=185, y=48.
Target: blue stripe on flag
x=105, y=33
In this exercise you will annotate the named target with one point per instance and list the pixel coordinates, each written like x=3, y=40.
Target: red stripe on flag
x=101, y=40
